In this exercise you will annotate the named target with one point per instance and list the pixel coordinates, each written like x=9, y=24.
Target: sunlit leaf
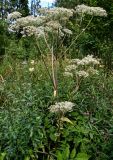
x=82, y=156
x=65, y=119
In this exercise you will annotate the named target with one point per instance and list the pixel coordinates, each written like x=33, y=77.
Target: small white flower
x=31, y=69
x=71, y=67
x=68, y=74
x=82, y=74
x=32, y=62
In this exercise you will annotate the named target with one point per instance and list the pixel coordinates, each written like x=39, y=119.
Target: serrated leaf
x=73, y=153
x=65, y=119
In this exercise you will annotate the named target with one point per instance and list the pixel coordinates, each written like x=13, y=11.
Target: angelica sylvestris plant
x=51, y=24
x=82, y=68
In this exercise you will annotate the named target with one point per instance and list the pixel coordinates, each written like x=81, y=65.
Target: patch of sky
x=45, y=3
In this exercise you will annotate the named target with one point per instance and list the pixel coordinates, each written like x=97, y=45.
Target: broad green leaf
x=2, y=156
x=59, y=156
x=73, y=153
x=65, y=119
x=82, y=156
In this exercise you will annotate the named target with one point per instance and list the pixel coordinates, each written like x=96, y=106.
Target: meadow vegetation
x=56, y=94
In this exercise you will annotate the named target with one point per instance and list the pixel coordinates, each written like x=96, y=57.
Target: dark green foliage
x=3, y=38
x=23, y=7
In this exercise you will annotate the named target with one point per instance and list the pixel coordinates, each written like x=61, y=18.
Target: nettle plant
x=49, y=27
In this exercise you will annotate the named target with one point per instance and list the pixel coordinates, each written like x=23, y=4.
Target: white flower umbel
x=82, y=67
x=70, y=68
x=89, y=59
x=57, y=12
x=32, y=30
x=61, y=107
x=94, y=11
x=27, y=21
x=54, y=25
x=68, y=74
x=83, y=74
x=14, y=15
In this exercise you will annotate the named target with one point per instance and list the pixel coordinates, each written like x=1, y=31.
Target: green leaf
x=73, y=153
x=59, y=156
x=82, y=156
x=27, y=158
x=65, y=119
x=53, y=136
x=2, y=156
x=66, y=153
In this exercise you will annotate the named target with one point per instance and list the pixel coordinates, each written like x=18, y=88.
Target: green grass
x=30, y=131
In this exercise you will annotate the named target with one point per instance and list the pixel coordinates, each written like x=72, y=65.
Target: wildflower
x=27, y=21
x=31, y=69
x=62, y=107
x=74, y=61
x=54, y=24
x=89, y=59
x=14, y=15
x=96, y=11
x=57, y=12
x=82, y=74
x=70, y=68
x=68, y=74
x=32, y=62
x=32, y=30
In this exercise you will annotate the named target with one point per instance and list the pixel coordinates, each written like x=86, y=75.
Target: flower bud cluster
x=95, y=11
